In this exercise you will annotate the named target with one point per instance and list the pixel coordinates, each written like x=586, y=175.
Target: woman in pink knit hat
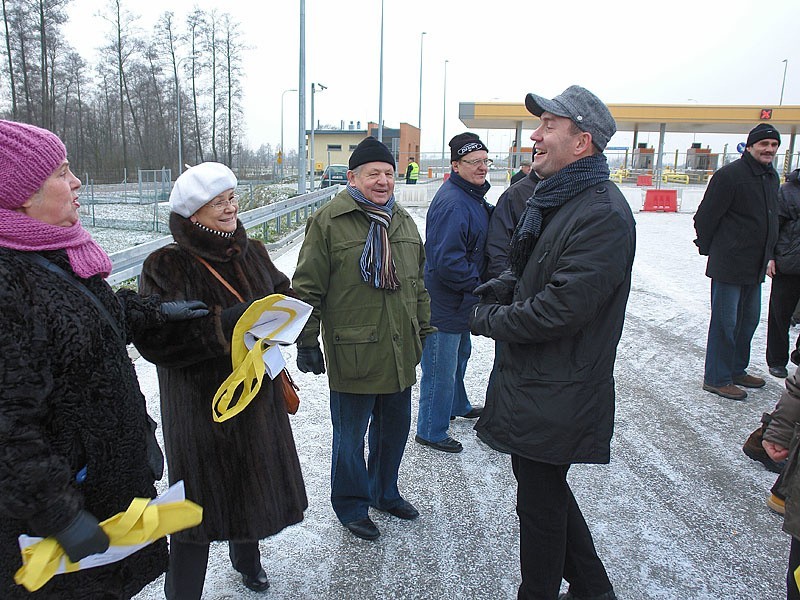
x=76, y=443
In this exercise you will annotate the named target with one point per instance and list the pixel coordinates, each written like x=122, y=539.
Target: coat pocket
x=356, y=350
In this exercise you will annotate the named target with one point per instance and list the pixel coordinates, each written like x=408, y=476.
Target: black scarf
x=550, y=193
x=477, y=192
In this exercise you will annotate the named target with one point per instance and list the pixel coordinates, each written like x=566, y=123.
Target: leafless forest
x=122, y=114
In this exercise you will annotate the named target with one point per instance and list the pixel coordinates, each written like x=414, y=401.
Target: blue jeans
x=735, y=312
x=355, y=486
x=441, y=388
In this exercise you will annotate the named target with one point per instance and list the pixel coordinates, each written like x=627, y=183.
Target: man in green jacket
x=361, y=268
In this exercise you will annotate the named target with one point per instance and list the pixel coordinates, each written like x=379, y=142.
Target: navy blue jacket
x=455, y=240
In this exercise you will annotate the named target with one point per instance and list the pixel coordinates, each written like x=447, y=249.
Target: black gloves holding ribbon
x=310, y=360
x=182, y=310
x=82, y=537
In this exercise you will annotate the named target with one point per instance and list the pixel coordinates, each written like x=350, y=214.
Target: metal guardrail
x=127, y=263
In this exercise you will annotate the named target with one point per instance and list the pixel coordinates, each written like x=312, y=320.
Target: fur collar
x=209, y=245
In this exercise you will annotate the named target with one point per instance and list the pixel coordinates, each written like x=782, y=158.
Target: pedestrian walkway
x=679, y=513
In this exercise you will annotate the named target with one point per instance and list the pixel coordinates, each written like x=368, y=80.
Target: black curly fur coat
x=244, y=472
x=70, y=399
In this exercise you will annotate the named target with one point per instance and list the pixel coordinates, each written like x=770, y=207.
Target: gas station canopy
x=678, y=118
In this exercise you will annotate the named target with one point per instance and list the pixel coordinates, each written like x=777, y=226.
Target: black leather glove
x=182, y=310
x=310, y=360
x=499, y=290
x=82, y=537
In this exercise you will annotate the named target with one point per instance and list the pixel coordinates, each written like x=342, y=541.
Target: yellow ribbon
x=140, y=524
x=248, y=365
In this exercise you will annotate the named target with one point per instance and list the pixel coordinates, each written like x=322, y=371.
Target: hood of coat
x=206, y=243
x=793, y=177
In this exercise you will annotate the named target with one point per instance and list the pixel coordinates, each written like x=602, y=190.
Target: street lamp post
x=444, y=113
x=380, y=90
x=785, y=62
x=283, y=153
x=301, y=129
x=313, y=126
x=178, y=108
x=419, y=116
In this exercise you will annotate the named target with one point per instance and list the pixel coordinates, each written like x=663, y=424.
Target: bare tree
x=10, y=62
x=232, y=61
x=195, y=22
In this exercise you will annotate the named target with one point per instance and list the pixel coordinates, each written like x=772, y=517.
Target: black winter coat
x=70, y=400
x=504, y=219
x=244, y=472
x=551, y=392
x=787, y=249
x=737, y=221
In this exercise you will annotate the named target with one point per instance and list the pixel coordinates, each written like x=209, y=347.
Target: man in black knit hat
x=737, y=227
x=557, y=317
x=360, y=267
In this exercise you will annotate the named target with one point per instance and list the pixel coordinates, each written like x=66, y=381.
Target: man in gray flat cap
x=557, y=315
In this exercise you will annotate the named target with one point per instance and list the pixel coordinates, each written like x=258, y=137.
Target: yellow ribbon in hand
x=142, y=523
x=248, y=365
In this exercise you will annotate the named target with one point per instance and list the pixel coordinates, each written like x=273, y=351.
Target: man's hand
x=776, y=452
x=771, y=270
x=480, y=317
x=310, y=360
x=499, y=290
x=82, y=537
x=183, y=310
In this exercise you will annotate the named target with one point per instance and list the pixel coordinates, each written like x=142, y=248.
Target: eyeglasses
x=221, y=205
x=477, y=161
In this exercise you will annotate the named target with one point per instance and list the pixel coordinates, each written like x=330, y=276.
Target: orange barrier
x=644, y=180
x=661, y=201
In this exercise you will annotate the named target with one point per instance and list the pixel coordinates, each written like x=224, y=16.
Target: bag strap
x=40, y=260
x=214, y=272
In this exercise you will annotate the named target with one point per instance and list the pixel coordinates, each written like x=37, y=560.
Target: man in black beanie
x=360, y=267
x=737, y=227
x=455, y=239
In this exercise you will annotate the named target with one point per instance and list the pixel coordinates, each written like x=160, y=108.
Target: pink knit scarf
x=18, y=231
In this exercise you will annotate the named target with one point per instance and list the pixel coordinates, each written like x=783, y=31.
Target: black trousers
x=782, y=301
x=188, y=562
x=554, y=540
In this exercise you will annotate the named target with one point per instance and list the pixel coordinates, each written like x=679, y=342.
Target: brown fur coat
x=244, y=472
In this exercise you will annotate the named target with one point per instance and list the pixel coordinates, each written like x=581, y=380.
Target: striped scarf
x=376, y=264
x=550, y=193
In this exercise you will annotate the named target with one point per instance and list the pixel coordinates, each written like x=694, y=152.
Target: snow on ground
x=678, y=514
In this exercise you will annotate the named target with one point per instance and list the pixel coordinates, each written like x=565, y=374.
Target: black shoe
x=448, y=444
x=405, y=511
x=259, y=583
x=609, y=595
x=363, y=528
x=779, y=372
x=472, y=414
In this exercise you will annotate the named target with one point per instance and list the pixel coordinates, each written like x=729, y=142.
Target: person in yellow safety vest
x=412, y=172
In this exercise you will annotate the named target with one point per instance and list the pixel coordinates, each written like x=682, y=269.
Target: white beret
x=198, y=185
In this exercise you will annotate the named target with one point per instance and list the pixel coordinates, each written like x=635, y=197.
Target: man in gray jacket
x=557, y=316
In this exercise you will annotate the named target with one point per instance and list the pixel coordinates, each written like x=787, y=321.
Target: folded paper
x=266, y=324
x=145, y=521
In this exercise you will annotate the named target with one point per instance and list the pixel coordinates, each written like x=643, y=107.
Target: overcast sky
x=626, y=51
